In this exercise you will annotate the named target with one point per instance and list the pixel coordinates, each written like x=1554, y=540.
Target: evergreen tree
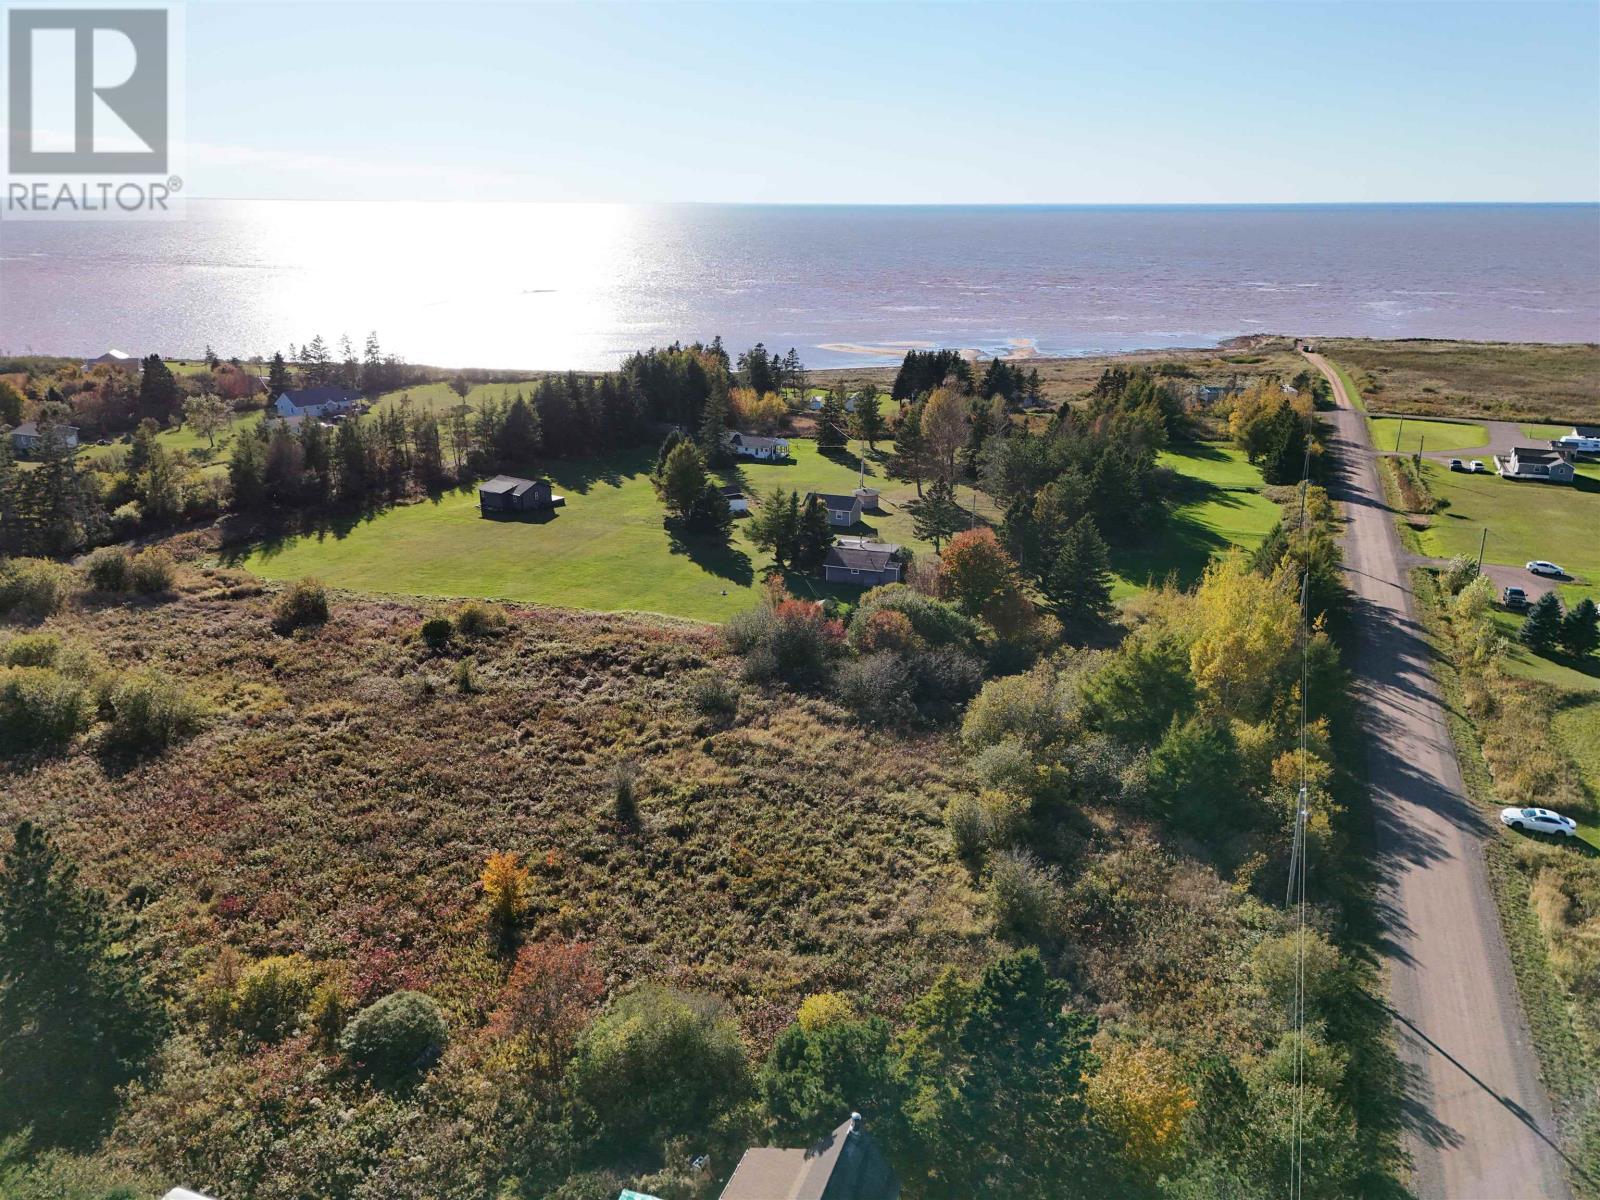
x=372, y=373
x=1284, y=459
x=909, y=461
x=756, y=370
x=714, y=427
x=832, y=431
x=1543, y=625
x=814, y=536
x=354, y=463
x=159, y=396
x=247, y=471
x=518, y=441
x=60, y=508
x=1078, y=584
x=682, y=480
x=76, y=1021
x=315, y=363
x=775, y=527
x=673, y=439
x=10, y=404
x=868, y=423
x=936, y=516
x=277, y=376
x=1580, y=628
x=710, y=512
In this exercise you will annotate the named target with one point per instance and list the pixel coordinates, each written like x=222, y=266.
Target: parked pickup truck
x=1514, y=597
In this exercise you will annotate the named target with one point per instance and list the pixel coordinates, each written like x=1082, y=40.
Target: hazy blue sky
x=891, y=102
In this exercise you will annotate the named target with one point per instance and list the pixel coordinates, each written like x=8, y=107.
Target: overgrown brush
x=150, y=712
x=303, y=605
x=32, y=589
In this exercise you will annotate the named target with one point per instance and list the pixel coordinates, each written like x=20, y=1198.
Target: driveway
x=1477, y=1119
x=1502, y=436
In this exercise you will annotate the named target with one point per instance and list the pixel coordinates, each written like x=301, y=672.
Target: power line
x=1299, y=853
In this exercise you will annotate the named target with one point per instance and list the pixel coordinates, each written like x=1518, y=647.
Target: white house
x=316, y=402
x=738, y=502
x=748, y=445
x=25, y=437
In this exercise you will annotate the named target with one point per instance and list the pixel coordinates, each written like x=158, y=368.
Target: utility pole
x=1482, y=542
x=1397, y=430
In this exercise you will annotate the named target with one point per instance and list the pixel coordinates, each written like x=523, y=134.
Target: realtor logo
x=88, y=91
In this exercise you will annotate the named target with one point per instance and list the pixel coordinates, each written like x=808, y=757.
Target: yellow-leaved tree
x=1139, y=1096
x=1246, y=631
x=505, y=893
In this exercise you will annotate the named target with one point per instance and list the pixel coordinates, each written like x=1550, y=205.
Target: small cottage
x=738, y=502
x=25, y=438
x=862, y=562
x=844, y=1165
x=316, y=402
x=1542, y=466
x=765, y=449
x=843, y=511
x=510, y=494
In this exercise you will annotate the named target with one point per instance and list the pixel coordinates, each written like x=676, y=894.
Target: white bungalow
x=316, y=402
x=749, y=445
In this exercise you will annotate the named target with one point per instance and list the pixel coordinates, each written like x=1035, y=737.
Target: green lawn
x=606, y=549
x=1525, y=521
x=185, y=439
x=1577, y=728
x=437, y=398
x=1436, y=435
x=1546, y=433
x=1222, y=505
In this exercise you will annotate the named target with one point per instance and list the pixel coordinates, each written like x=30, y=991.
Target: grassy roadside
x=1350, y=388
x=1568, y=1061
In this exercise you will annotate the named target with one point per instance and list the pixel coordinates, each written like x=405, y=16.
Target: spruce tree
x=518, y=443
x=682, y=479
x=832, y=432
x=714, y=426
x=936, y=517
x=277, y=376
x=1580, y=628
x=814, y=537
x=909, y=463
x=160, y=398
x=1543, y=626
x=1078, y=584
x=76, y=1021
x=775, y=527
x=868, y=423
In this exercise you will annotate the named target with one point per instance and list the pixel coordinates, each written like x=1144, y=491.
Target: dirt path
x=1479, y=1125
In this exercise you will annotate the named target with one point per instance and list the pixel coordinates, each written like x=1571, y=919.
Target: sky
x=895, y=102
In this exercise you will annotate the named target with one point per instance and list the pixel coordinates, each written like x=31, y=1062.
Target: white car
x=1475, y=467
x=1540, y=567
x=1538, y=820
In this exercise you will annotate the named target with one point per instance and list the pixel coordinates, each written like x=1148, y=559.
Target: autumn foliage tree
x=505, y=894
x=1247, y=629
x=549, y=999
x=981, y=579
x=1139, y=1096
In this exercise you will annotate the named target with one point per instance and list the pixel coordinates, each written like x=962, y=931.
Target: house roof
x=110, y=356
x=1587, y=431
x=844, y=1165
x=865, y=557
x=755, y=441
x=306, y=397
x=31, y=429
x=509, y=485
x=733, y=493
x=833, y=500
x=1535, y=454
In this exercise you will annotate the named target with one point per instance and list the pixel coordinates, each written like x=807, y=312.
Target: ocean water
x=550, y=286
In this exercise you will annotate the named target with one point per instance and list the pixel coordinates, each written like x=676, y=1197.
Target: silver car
x=1540, y=567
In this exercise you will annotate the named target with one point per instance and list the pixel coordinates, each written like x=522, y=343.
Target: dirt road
x=1478, y=1121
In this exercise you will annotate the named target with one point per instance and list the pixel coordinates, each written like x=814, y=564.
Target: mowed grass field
x=1435, y=436
x=606, y=549
x=1525, y=521
x=1222, y=504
